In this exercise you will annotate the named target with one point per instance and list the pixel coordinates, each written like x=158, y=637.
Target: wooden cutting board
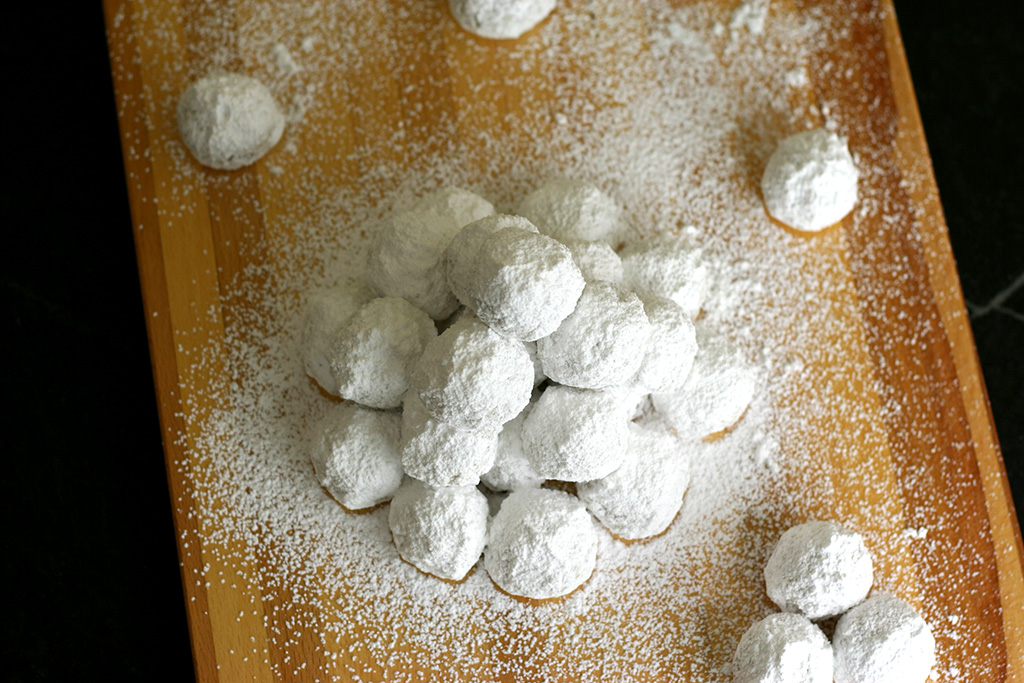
x=197, y=234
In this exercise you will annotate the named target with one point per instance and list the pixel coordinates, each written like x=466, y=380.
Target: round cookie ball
x=818, y=569
x=671, y=348
x=521, y=283
x=442, y=455
x=355, y=455
x=600, y=344
x=783, y=648
x=461, y=253
x=716, y=393
x=472, y=377
x=573, y=210
x=500, y=19
x=440, y=531
x=512, y=469
x=229, y=120
x=810, y=181
x=542, y=544
x=883, y=640
x=406, y=255
x=373, y=354
x=576, y=434
x=327, y=311
x=668, y=268
x=643, y=495
x=596, y=260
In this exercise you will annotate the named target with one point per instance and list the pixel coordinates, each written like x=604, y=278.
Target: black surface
x=92, y=583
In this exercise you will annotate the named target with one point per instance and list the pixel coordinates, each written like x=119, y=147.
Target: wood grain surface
x=193, y=238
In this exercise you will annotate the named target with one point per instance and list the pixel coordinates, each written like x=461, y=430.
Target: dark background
x=88, y=546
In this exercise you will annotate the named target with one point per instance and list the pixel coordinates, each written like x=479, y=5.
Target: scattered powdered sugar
x=676, y=122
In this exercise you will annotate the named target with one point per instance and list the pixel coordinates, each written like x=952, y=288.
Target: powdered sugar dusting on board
x=675, y=121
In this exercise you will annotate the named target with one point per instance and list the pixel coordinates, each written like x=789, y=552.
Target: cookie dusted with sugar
x=669, y=268
x=601, y=343
x=407, y=251
x=440, y=531
x=512, y=469
x=472, y=377
x=670, y=350
x=643, y=495
x=542, y=544
x=783, y=648
x=521, y=283
x=596, y=260
x=441, y=454
x=327, y=311
x=810, y=181
x=500, y=19
x=373, y=353
x=576, y=434
x=228, y=120
x=716, y=393
x=355, y=455
x=818, y=569
x=883, y=640
x=573, y=210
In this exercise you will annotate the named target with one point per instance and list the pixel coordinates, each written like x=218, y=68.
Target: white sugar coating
x=520, y=283
x=472, y=377
x=576, y=434
x=810, y=181
x=440, y=531
x=596, y=260
x=327, y=311
x=512, y=469
x=670, y=350
x=373, y=353
x=716, y=393
x=599, y=344
x=461, y=253
x=818, y=569
x=883, y=640
x=573, y=210
x=407, y=252
x=500, y=19
x=355, y=455
x=440, y=454
x=644, y=494
x=229, y=120
x=667, y=267
x=541, y=544
x=783, y=648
